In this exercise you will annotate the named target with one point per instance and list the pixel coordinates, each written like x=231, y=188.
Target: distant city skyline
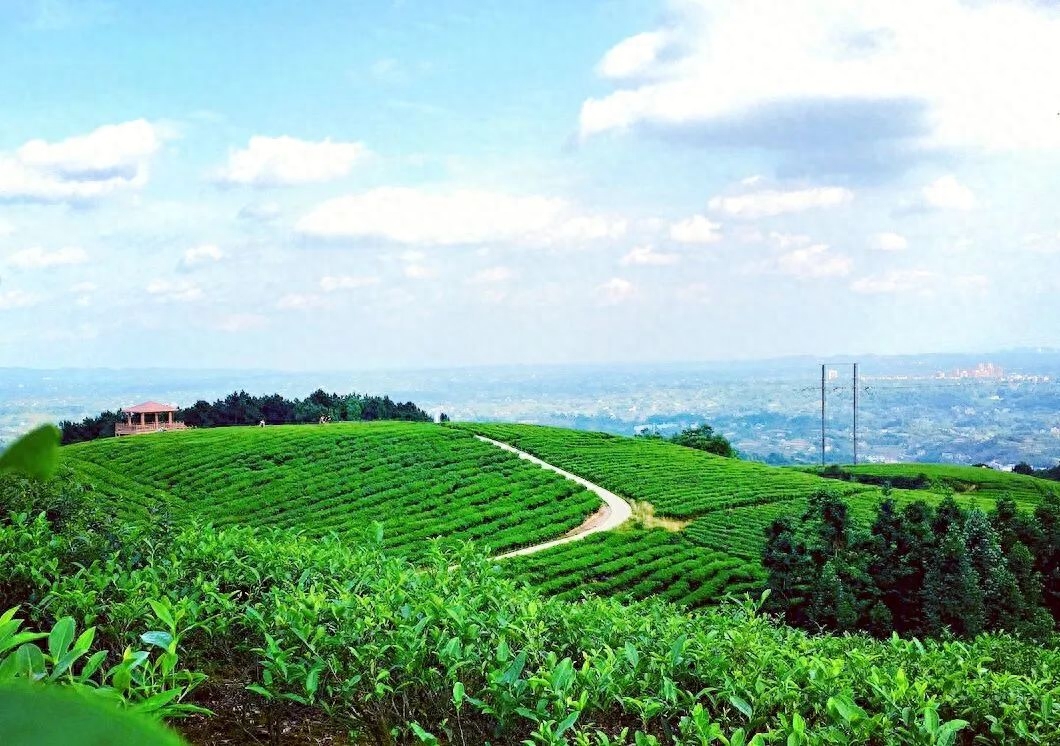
x=406, y=186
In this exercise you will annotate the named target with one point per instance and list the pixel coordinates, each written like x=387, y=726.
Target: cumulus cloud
x=10, y=299
x=1038, y=243
x=491, y=276
x=896, y=281
x=771, y=202
x=889, y=242
x=696, y=229
x=331, y=283
x=203, y=254
x=284, y=161
x=38, y=258
x=261, y=212
x=6, y=229
x=614, y=291
x=240, y=322
x=110, y=159
x=180, y=291
x=300, y=302
x=719, y=70
x=647, y=255
x=635, y=56
x=947, y=193
x=814, y=261
x=460, y=216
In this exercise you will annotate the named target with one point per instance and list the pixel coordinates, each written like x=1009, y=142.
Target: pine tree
x=951, y=597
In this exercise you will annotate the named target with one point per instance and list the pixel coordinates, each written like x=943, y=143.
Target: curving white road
x=614, y=512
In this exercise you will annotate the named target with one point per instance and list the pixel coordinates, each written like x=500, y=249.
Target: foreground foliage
x=453, y=652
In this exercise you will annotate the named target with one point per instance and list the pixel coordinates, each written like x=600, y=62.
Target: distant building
x=153, y=417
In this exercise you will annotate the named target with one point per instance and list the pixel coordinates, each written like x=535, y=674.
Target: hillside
x=419, y=481
x=698, y=527
x=721, y=509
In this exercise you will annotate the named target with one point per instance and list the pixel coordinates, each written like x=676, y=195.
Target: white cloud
x=10, y=299
x=646, y=255
x=590, y=227
x=696, y=229
x=418, y=271
x=6, y=229
x=459, y=216
x=241, y=322
x=946, y=193
x=1041, y=244
x=973, y=283
x=896, y=281
x=964, y=65
x=331, y=283
x=770, y=202
x=280, y=161
x=83, y=291
x=813, y=262
x=633, y=56
x=300, y=302
x=789, y=240
x=174, y=290
x=889, y=242
x=263, y=212
x=491, y=276
x=616, y=290
x=197, y=255
x=38, y=258
x=107, y=160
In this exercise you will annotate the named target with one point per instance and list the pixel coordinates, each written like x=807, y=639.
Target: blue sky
x=406, y=184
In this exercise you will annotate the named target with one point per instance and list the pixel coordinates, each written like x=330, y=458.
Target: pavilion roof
x=149, y=407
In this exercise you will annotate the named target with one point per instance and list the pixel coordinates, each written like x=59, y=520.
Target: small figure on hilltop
x=261, y=424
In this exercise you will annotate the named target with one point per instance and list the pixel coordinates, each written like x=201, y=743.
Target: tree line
x=917, y=570
x=701, y=437
x=241, y=408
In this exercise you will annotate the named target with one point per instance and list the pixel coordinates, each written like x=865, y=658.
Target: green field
x=356, y=639
x=728, y=502
x=419, y=481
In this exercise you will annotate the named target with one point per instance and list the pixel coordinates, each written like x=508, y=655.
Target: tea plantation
x=417, y=481
x=281, y=585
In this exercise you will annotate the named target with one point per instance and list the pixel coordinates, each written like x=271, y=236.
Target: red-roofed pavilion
x=156, y=423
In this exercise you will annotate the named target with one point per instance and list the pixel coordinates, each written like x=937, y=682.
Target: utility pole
x=822, y=413
x=824, y=441
x=855, y=414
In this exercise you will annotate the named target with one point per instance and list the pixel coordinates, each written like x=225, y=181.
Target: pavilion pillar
x=143, y=422
x=170, y=418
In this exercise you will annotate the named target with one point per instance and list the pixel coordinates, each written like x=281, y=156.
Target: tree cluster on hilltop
x=701, y=437
x=1024, y=468
x=241, y=408
x=918, y=570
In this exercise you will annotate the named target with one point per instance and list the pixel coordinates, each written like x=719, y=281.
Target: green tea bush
x=453, y=652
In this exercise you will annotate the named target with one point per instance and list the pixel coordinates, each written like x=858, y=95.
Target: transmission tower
x=824, y=432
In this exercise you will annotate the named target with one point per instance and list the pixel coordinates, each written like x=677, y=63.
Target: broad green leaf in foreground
x=35, y=454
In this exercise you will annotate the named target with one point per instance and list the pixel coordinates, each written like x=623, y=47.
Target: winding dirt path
x=613, y=513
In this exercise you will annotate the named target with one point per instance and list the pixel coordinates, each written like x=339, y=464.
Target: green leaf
x=61, y=636
x=259, y=690
x=742, y=705
x=567, y=723
x=458, y=694
x=157, y=638
x=163, y=613
x=35, y=454
x=158, y=701
x=312, y=681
